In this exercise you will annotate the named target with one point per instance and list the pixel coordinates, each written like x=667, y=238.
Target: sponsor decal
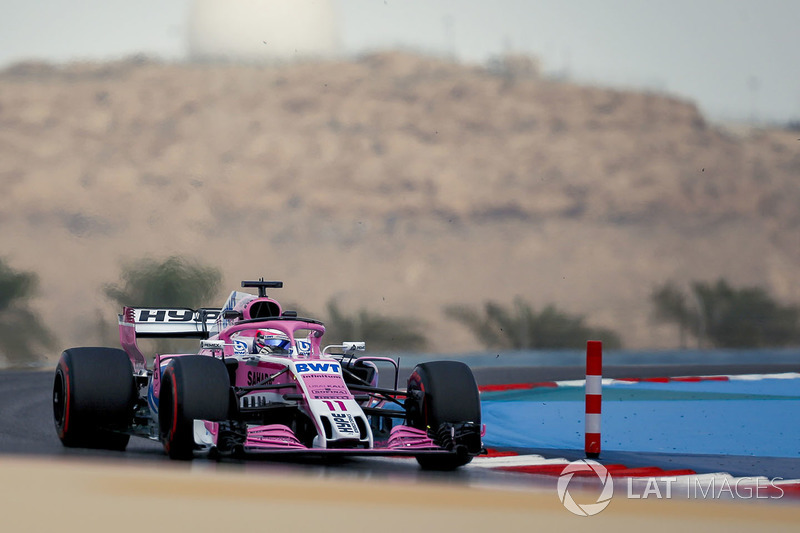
x=303, y=347
x=329, y=392
x=328, y=386
x=165, y=315
x=172, y=315
x=254, y=377
x=328, y=368
x=344, y=423
x=240, y=347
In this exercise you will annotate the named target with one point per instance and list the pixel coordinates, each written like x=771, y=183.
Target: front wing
x=277, y=439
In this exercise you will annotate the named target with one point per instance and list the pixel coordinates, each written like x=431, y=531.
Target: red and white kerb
x=594, y=395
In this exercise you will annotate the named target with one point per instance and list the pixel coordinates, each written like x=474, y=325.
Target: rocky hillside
x=395, y=182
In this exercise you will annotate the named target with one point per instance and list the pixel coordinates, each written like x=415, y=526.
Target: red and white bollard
x=594, y=397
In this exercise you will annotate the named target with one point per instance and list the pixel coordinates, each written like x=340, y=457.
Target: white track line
x=516, y=460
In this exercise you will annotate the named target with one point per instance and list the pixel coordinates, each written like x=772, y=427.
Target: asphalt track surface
x=26, y=428
x=46, y=487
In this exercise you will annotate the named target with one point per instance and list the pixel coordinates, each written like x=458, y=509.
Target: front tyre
x=93, y=398
x=443, y=400
x=193, y=387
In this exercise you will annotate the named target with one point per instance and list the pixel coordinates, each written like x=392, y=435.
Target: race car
x=261, y=383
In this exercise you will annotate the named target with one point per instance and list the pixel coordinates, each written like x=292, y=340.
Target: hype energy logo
x=585, y=509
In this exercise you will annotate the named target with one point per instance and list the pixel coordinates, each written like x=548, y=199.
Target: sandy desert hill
x=394, y=182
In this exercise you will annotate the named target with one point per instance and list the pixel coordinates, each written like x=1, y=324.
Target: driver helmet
x=271, y=341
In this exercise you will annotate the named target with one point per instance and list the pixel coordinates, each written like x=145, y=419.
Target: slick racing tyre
x=193, y=387
x=444, y=401
x=93, y=398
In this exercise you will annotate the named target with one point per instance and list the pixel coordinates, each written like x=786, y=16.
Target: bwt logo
x=240, y=347
x=586, y=509
x=317, y=367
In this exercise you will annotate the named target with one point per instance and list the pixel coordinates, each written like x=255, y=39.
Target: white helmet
x=271, y=341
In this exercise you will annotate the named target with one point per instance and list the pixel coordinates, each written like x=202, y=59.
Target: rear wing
x=169, y=322
x=161, y=322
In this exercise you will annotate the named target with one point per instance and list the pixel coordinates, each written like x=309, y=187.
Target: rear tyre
x=193, y=387
x=93, y=398
x=444, y=401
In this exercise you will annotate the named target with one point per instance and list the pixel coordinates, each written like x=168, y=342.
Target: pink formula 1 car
x=261, y=383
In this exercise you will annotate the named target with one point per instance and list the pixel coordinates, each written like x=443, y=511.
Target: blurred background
x=444, y=177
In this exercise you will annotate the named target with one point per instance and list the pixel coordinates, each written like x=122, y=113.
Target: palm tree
x=173, y=282
x=669, y=304
x=728, y=317
x=23, y=336
x=381, y=333
x=521, y=327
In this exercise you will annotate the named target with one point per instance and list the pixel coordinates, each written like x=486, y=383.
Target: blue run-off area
x=757, y=418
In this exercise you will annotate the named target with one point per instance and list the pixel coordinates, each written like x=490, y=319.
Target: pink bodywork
x=405, y=438
x=320, y=386
x=271, y=437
